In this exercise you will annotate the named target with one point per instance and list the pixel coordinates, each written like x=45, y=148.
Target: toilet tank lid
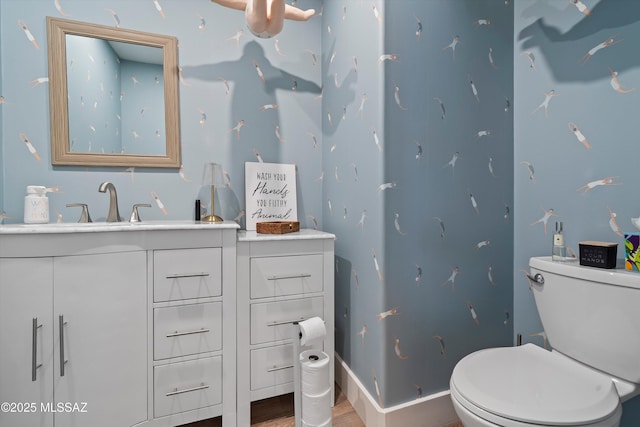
x=615, y=276
x=533, y=385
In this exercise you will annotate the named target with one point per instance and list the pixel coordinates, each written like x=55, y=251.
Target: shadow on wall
x=567, y=54
x=252, y=82
x=343, y=294
x=340, y=93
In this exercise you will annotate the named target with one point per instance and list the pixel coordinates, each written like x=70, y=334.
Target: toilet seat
x=529, y=385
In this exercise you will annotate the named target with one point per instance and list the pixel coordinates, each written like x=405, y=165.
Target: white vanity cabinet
x=73, y=332
x=117, y=325
x=280, y=279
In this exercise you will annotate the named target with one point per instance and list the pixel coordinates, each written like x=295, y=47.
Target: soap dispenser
x=36, y=205
x=559, y=251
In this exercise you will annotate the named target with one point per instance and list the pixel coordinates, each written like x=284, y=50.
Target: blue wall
x=471, y=199
x=354, y=162
x=401, y=192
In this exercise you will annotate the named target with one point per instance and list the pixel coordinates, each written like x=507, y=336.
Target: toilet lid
x=532, y=385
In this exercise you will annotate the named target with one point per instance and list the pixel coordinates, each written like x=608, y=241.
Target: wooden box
x=277, y=227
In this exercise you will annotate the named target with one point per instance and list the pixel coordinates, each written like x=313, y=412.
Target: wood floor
x=278, y=412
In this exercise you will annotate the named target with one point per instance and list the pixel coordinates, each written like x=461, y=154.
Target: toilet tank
x=591, y=314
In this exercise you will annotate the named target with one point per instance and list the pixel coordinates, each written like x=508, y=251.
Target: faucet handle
x=84, y=215
x=135, y=216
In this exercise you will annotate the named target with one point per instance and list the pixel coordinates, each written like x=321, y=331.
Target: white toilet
x=592, y=320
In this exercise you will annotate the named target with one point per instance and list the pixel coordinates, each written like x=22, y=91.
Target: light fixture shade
x=212, y=174
x=212, y=177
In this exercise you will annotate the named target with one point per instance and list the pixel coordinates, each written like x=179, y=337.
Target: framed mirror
x=113, y=96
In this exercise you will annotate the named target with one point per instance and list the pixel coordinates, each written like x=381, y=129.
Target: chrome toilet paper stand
x=297, y=393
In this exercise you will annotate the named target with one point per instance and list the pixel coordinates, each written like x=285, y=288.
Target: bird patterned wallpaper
x=419, y=186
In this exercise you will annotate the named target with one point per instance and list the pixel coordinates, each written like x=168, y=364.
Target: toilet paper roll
x=312, y=330
x=314, y=372
x=316, y=410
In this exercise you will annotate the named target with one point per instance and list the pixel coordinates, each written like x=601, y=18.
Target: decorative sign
x=270, y=193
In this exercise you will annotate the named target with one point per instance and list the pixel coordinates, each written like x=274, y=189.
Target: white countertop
x=99, y=227
x=303, y=234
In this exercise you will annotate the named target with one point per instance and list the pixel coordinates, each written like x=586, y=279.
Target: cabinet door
x=26, y=366
x=101, y=302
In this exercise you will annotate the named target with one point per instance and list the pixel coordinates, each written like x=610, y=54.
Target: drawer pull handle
x=63, y=361
x=185, y=275
x=289, y=276
x=34, y=348
x=279, y=368
x=284, y=322
x=179, y=334
x=175, y=391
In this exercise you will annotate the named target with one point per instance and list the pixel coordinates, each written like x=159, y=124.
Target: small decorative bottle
x=36, y=205
x=559, y=251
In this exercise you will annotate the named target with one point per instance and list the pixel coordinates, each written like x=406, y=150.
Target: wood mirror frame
x=61, y=153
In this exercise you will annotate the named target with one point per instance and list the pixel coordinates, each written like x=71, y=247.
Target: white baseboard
x=435, y=410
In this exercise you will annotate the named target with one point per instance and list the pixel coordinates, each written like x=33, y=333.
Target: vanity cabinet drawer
x=271, y=321
x=184, y=386
x=187, y=273
x=187, y=329
x=286, y=275
x=271, y=366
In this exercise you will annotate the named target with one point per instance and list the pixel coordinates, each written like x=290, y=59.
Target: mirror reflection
x=116, y=97
x=113, y=96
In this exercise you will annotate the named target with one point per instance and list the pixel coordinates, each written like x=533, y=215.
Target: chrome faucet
x=114, y=213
